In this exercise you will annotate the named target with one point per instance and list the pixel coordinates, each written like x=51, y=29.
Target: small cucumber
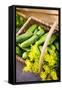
x=41, y=29
x=31, y=40
x=28, y=42
x=19, y=21
x=53, y=47
x=40, y=48
x=39, y=33
x=36, y=30
x=32, y=28
x=18, y=51
x=52, y=39
x=24, y=55
x=42, y=39
x=57, y=45
x=23, y=37
x=26, y=49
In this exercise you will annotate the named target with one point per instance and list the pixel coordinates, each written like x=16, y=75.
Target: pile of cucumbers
x=24, y=41
x=34, y=34
x=20, y=20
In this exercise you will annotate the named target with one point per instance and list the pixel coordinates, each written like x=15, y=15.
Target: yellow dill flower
x=28, y=63
x=43, y=75
x=27, y=69
x=46, y=57
x=46, y=68
x=51, y=61
x=28, y=66
x=34, y=53
x=54, y=75
x=35, y=67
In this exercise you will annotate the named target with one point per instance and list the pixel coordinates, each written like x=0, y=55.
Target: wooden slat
x=46, y=43
x=19, y=59
x=45, y=11
x=47, y=19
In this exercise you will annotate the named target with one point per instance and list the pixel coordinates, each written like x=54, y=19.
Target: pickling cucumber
x=52, y=39
x=42, y=39
x=57, y=45
x=31, y=40
x=23, y=37
x=24, y=55
x=32, y=28
x=18, y=51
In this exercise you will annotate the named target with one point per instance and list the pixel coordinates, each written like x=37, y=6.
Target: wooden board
x=47, y=16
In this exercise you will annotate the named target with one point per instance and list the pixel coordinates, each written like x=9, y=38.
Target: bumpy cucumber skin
x=40, y=33
x=57, y=45
x=19, y=21
x=31, y=40
x=18, y=51
x=32, y=28
x=26, y=35
x=42, y=39
x=41, y=29
x=52, y=39
x=23, y=37
x=24, y=55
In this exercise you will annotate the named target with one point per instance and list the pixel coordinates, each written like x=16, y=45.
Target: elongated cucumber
x=23, y=37
x=41, y=29
x=31, y=40
x=40, y=48
x=42, y=39
x=52, y=39
x=28, y=42
x=40, y=33
x=24, y=55
x=32, y=28
x=36, y=30
x=57, y=45
x=18, y=51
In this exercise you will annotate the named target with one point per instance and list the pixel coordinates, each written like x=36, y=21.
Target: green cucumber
x=40, y=33
x=23, y=37
x=26, y=49
x=57, y=45
x=32, y=28
x=41, y=29
x=18, y=51
x=36, y=30
x=52, y=39
x=24, y=55
x=31, y=40
x=40, y=48
x=19, y=21
x=52, y=46
x=42, y=39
